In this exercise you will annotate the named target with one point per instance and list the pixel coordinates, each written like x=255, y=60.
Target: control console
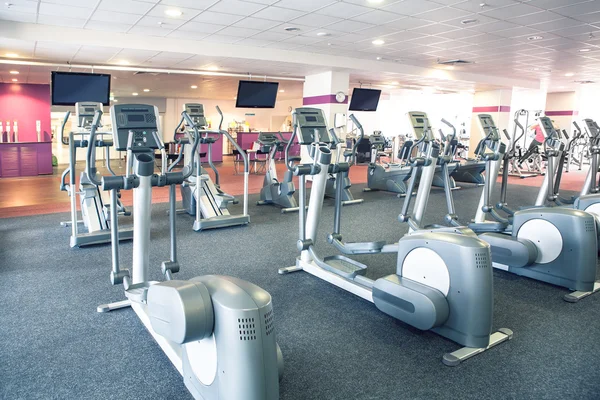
x=312, y=123
x=140, y=121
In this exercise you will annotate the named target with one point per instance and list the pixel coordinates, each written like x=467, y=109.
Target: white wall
x=391, y=115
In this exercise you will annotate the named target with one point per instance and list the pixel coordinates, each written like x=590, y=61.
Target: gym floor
x=335, y=345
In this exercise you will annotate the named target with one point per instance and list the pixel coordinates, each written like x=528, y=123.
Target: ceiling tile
x=126, y=6
x=551, y=4
x=518, y=31
x=377, y=17
x=256, y=23
x=316, y=20
x=114, y=17
x=17, y=16
x=343, y=10
x=443, y=14
x=147, y=30
x=188, y=35
x=65, y=11
x=408, y=23
x=239, y=32
x=459, y=34
x=412, y=7
x=434, y=29
x=278, y=14
x=578, y=9
x=480, y=18
x=305, y=5
x=22, y=6
x=493, y=26
x=160, y=12
x=513, y=11
x=474, y=6
x=195, y=4
x=349, y=26
x=199, y=27
x=107, y=26
x=536, y=18
x=237, y=7
x=60, y=21
x=211, y=17
x=270, y=36
x=574, y=30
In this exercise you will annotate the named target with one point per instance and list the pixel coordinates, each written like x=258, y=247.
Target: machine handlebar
x=62, y=129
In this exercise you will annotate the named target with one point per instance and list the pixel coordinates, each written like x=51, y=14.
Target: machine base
x=574, y=297
x=99, y=237
x=458, y=356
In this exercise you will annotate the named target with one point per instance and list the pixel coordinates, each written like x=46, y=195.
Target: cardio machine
x=218, y=331
x=443, y=281
x=95, y=212
x=552, y=245
x=338, y=151
x=274, y=191
x=202, y=197
x=469, y=170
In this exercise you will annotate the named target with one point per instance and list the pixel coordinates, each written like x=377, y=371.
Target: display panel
x=69, y=88
x=364, y=99
x=256, y=94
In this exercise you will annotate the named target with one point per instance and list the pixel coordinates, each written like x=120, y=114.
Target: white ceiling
x=416, y=32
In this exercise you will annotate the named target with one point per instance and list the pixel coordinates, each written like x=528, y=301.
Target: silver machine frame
x=348, y=274
x=217, y=331
x=568, y=228
x=211, y=210
x=95, y=215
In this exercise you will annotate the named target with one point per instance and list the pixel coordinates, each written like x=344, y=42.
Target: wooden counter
x=25, y=159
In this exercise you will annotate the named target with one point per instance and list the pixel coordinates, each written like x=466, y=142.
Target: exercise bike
x=217, y=331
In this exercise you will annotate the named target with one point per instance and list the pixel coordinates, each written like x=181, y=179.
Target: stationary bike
x=217, y=331
x=274, y=191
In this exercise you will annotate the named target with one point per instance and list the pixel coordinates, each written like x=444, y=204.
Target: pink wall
x=26, y=104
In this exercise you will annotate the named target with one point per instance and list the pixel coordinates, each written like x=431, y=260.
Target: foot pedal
x=344, y=266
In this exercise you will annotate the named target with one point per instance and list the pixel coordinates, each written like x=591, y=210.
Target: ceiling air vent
x=454, y=62
x=146, y=73
x=584, y=82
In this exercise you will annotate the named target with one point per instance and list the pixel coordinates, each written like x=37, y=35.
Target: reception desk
x=246, y=141
x=25, y=159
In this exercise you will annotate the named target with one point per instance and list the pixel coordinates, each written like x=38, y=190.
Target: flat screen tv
x=364, y=99
x=69, y=88
x=256, y=94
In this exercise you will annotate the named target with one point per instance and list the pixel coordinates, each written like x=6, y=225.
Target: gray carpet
x=336, y=346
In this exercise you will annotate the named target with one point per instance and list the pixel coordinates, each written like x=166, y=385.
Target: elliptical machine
x=279, y=193
x=331, y=188
x=95, y=212
x=443, y=281
x=552, y=245
x=202, y=197
x=217, y=331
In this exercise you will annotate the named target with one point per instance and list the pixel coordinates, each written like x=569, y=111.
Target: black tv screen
x=256, y=94
x=69, y=88
x=364, y=99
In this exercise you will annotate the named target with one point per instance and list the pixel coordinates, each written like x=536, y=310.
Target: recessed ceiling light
x=378, y=42
x=378, y=58
x=212, y=68
x=15, y=80
x=12, y=55
x=281, y=90
x=584, y=50
x=395, y=83
x=468, y=21
x=323, y=34
x=115, y=100
x=536, y=69
x=535, y=37
x=134, y=93
x=561, y=87
x=146, y=90
x=291, y=29
x=375, y=1
x=172, y=12
x=124, y=62
x=569, y=74
x=14, y=72
x=194, y=87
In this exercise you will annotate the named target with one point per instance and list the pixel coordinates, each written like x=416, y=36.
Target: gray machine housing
x=236, y=320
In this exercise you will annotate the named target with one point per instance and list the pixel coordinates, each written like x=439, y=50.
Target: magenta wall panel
x=44, y=158
x=29, y=160
x=26, y=104
x=10, y=161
